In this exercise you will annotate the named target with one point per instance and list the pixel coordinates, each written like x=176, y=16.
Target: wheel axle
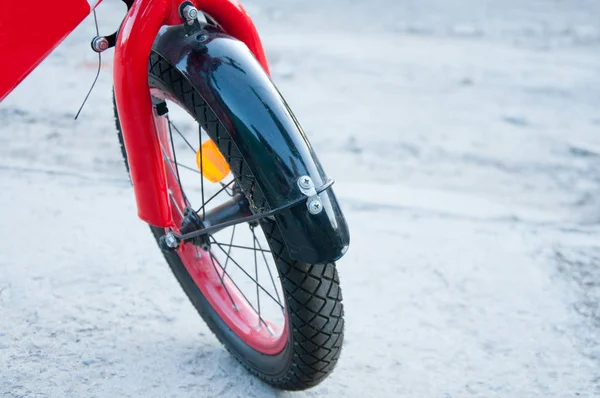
x=234, y=211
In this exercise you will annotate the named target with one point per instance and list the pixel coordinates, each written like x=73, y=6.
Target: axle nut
x=171, y=241
x=99, y=44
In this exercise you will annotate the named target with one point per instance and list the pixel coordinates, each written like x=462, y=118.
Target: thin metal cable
x=97, y=73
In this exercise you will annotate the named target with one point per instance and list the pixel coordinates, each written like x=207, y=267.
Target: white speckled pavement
x=464, y=137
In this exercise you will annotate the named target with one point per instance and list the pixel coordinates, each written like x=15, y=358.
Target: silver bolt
x=190, y=13
x=99, y=44
x=314, y=206
x=171, y=241
x=305, y=182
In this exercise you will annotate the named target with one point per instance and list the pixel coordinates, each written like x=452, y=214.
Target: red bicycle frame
x=130, y=75
x=28, y=47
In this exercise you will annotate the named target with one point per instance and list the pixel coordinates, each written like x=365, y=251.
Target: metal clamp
x=307, y=187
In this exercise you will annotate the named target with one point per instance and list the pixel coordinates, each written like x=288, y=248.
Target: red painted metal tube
x=132, y=92
x=232, y=16
x=135, y=109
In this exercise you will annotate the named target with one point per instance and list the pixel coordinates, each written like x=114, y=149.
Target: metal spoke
x=247, y=274
x=245, y=247
x=256, y=273
x=176, y=205
x=236, y=286
x=170, y=164
x=224, y=186
x=182, y=136
x=169, y=160
x=230, y=247
x=267, y=265
x=194, y=150
x=174, y=154
x=185, y=167
x=201, y=170
x=212, y=197
x=212, y=260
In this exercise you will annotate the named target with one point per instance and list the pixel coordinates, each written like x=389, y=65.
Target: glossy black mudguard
x=266, y=133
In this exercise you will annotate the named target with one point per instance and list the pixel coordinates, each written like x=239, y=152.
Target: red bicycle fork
x=132, y=93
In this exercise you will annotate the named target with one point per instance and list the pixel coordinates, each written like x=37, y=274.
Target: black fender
x=268, y=136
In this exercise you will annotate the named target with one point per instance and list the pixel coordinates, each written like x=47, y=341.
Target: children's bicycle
x=221, y=170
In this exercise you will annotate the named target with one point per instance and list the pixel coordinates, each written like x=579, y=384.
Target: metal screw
x=99, y=44
x=305, y=182
x=314, y=206
x=171, y=240
x=190, y=13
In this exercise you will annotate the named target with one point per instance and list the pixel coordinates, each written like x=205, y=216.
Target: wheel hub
x=192, y=222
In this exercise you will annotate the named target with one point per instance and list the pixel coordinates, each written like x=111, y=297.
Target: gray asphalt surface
x=463, y=136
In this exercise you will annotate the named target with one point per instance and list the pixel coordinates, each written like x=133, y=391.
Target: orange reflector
x=211, y=163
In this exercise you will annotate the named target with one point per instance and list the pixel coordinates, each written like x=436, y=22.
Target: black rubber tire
x=312, y=292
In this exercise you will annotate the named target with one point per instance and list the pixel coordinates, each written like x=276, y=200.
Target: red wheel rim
x=209, y=276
